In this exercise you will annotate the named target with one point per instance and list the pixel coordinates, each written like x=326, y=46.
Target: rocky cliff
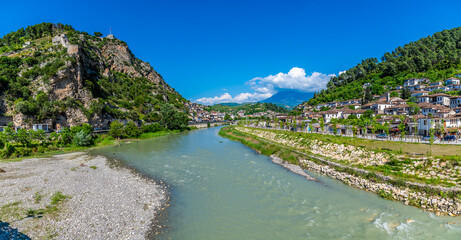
x=64, y=77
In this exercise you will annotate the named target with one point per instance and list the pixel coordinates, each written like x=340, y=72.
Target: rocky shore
x=329, y=159
x=78, y=196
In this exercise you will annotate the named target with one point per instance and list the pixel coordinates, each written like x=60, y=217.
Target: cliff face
x=73, y=78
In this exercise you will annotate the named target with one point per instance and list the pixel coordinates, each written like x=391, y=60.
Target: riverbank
x=106, y=141
x=393, y=177
x=78, y=196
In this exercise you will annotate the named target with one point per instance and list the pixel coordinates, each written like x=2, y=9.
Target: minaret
x=110, y=36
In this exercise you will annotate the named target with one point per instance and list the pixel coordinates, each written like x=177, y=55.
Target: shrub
x=116, y=130
x=82, y=139
x=87, y=128
x=131, y=130
x=154, y=127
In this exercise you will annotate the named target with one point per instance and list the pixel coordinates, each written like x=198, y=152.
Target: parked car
x=449, y=138
x=381, y=135
x=426, y=138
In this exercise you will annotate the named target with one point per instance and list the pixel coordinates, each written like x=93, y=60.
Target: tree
x=131, y=130
x=394, y=94
x=402, y=131
x=405, y=94
x=368, y=114
x=414, y=108
x=171, y=118
x=24, y=137
x=116, y=130
x=442, y=128
x=432, y=137
x=368, y=96
x=322, y=124
x=334, y=125
x=227, y=117
x=97, y=34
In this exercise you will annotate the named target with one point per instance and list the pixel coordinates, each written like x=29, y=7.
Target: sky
x=242, y=51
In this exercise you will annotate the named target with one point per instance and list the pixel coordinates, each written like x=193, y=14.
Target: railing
x=370, y=136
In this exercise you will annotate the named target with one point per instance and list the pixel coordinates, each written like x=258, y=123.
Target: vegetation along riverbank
x=15, y=145
x=426, y=181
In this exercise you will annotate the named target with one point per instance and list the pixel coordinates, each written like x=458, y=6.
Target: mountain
x=288, y=98
x=436, y=57
x=230, y=104
x=249, y=108
x=53, y=73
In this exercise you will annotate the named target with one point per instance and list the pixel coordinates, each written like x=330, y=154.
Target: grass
x=157, y=134
x=392, y=168
x=395, y=147
x=10, y=211
x=93, y=167
x=263, y=147
x=38, y=197
x=58, y=197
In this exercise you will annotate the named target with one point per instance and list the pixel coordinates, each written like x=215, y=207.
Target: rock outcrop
x=68, y=71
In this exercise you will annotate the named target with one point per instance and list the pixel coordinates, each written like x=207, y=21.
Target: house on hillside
x=455, y=101
x=452, y=81
x=420, y=93
x=438, y=98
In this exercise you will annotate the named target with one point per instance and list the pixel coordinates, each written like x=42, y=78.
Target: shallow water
x=222, y=189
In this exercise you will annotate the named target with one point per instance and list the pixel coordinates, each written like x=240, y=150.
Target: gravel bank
x=292, y=167
x=105, y=201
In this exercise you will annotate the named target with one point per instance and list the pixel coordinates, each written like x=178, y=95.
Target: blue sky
x=246, y=50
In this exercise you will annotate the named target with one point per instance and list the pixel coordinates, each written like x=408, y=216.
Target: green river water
x=221, y=189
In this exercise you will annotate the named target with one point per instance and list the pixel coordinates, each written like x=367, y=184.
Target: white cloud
x=341, y=72
x=240, y=98
x=265, y=87
x=295, y=79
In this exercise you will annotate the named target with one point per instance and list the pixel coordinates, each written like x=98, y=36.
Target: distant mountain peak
x=289, y=98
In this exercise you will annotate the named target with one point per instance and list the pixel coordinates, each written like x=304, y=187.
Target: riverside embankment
x=78, y=196
x=388, y=174
x=222, y=189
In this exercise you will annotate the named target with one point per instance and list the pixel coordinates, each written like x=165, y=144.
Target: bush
x=82, y=139
x=154, y=127
x=87, y=128
x=8, y=151
x=131, y=130
x=116, y=130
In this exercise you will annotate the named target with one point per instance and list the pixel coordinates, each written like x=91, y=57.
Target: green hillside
x=249, y=108
x=435, y=57
x=84, y=80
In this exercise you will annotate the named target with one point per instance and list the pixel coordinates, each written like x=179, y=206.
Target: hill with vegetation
x=52, y=72
x=435, y=57
x=249, y=108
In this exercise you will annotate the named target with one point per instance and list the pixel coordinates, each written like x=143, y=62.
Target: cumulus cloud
x=295, y=79
x=341, y=72
x=265, y=87
x=240, y=98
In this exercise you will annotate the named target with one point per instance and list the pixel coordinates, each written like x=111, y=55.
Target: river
x=222, y=189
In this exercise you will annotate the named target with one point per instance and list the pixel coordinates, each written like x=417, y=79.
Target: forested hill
x=435, y=57
x=52, y=72
x=249, y=108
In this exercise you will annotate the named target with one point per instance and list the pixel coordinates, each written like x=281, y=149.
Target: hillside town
x=428, y=108
x=199, y=114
